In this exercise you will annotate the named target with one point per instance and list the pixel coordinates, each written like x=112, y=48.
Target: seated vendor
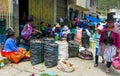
x=11, y=51
x=65, y=30
x=58, y=31
x=29, y=30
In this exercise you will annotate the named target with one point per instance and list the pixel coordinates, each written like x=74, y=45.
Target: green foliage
x=45, y=74
x=108, y=4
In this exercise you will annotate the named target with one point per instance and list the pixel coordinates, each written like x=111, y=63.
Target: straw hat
x=57, y=25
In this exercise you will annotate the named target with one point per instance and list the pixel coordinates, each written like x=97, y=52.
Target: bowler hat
x=110, y=17
x=30, y=18
x=10, y=32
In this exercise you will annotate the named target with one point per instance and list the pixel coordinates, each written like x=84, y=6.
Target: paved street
x=82, y=68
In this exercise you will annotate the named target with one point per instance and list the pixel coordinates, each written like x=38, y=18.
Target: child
x=97, y=38
x=43, y=29
x=74, y=30
x=49, y=30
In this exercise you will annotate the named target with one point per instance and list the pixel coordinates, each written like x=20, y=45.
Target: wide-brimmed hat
x=110, y=17
x=57, y=25
x=30, y=18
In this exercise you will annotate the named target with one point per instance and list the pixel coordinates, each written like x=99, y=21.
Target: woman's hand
x=103, y=47
x=118, y=50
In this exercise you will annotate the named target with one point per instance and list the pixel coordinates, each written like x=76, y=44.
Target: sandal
x=107, y=71
x=95, y=65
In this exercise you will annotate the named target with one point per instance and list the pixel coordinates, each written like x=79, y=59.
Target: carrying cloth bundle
x=50, y=54
x=63, y=50
x=85, y=54
x=116, y=63
x=36, y=51
x=65, y=66
x=73, y=48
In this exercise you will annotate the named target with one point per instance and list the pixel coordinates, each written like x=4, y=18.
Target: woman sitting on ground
x=11, y=51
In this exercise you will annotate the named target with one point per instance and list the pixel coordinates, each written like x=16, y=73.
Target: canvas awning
x=93, y=19
x=78, y=7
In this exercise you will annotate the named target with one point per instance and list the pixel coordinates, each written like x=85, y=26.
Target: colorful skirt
x=14, y=56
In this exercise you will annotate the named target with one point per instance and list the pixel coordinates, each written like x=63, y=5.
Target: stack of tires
x=73, y=48
x=36, y=51
x=50, y=54
x=85, y=39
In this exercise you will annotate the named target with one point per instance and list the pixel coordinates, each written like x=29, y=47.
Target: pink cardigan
x=115, y=36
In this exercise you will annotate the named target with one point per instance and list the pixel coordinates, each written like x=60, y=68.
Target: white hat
x=100, y=27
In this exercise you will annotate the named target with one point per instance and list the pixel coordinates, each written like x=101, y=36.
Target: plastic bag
x=73, y=48
x=36, y=52
x=50, y=54
x=63, y=50
x=70, y=37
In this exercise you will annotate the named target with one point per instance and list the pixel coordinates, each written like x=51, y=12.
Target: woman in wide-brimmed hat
x=58, y=31
x=109, y=42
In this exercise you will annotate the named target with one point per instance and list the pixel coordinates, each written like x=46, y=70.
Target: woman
x=109, y=42
x=11, y=51
x=58, y=31
x=28, y=30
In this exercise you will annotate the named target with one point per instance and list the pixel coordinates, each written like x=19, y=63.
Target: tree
x=108, y=4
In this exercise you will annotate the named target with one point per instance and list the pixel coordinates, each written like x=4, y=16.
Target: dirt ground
x=82, y=68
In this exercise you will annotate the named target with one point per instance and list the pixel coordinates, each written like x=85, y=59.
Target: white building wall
x=81, y=3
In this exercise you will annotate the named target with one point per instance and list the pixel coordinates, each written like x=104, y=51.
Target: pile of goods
x=36, y=51
x=85, y=54
x=3, y=61
x=50, y=54
x=65, y=66
x=73, y=48
x=47, y=40
x=62, y=50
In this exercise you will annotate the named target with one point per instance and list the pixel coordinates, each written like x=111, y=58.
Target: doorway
x=23, y=13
